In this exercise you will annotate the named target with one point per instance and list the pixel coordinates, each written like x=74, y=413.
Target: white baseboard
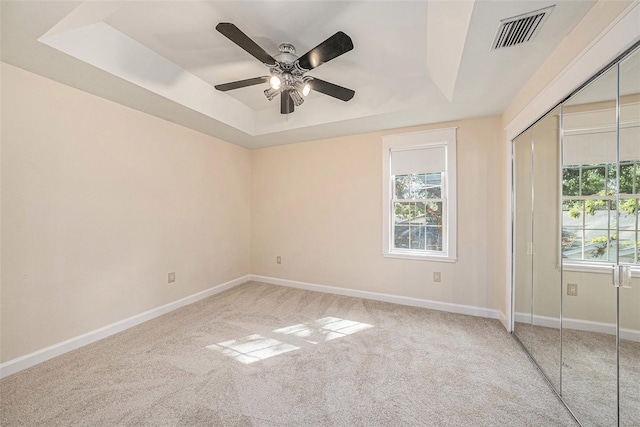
x=18, y=364
x=413, y=302
x=504, y=321
x=580, y=325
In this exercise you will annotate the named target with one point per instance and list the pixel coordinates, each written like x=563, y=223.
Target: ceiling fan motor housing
x=287, y=53
x=288, y=70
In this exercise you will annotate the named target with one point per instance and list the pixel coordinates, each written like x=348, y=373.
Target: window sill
x=595, y=268
x=417, y=257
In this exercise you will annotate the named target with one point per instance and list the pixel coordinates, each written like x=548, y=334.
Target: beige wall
x=99, y=203
x=522, y=222
x=546, y=216
x=318, y=205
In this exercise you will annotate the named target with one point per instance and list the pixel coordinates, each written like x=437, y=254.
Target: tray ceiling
x=414, y=62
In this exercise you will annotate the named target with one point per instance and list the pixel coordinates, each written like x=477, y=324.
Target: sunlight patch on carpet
x=253, y=348
x=325, y=329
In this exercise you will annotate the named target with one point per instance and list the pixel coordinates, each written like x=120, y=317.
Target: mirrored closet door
x=629, y=241
x=576, y=263
x=589, y=213
x=536, y=222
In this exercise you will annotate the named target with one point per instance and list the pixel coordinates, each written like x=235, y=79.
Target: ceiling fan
x=287, y=71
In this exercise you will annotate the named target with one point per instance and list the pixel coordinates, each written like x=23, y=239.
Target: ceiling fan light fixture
x=303, y=86
x=271, y=93
x=297, y=99
x=275, y=82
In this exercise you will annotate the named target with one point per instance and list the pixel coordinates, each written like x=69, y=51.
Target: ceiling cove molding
x=108, y=49
x=444, y=54
x=83, y=15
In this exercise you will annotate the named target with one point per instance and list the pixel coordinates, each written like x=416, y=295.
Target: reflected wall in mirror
x=523, y=240
x=546, y=254
x=536, y=235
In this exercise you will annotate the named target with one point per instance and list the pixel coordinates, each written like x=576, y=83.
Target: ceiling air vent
x=520, y=29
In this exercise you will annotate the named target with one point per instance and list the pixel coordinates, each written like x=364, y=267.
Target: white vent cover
x=520, y=29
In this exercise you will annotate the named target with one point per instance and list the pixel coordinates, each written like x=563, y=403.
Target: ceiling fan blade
x=286, y=103
x=241, y=83
x=234, y=34
x=332, y=47
x=331, y=89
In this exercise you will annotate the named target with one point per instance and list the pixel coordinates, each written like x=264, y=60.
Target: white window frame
x=424, y=139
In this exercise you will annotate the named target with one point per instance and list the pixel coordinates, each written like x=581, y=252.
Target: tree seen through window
x=418, y=211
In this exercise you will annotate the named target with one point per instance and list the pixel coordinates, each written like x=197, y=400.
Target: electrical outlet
x=436, y=276
x=279, y=260
x=172, y=277
x=572, y=289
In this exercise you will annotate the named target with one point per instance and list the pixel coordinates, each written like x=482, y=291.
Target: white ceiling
x=413, y=62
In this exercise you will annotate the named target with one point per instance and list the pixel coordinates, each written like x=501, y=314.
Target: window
x=589, y=231
x=419, y=199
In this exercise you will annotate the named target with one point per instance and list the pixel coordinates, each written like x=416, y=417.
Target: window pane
x=408, y=219
x=572, y=213
x=589, y=226
x=434, y=238
x=418, y=225
x=592, y=180
x=417, y=237
x=613, y=214
x=415, y=186
x=572, y=232
x=598, y=214
x=434, y=185
x=418, y=188
x=417, y=213
x=570, y=181
x=626, y=178
x=401, y=236
x=628, y=212
x=599, y=246
x=612, y=172
x=572, y=243
x=403, y=212
x=599, y=233
x=402, y=186
x=433, y=213
x=629, y=247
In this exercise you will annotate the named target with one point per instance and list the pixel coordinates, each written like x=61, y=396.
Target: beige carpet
x=265, y=355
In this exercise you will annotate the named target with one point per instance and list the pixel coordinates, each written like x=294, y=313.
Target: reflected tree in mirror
x=590, y=215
